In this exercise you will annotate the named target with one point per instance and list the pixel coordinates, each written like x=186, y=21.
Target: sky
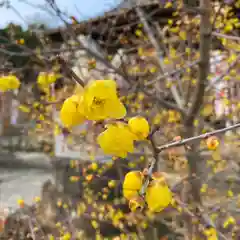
x=28, y=11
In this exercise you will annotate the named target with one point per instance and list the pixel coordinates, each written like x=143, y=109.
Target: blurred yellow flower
x=45, y=79
x=51, y=237
x=3, y=85
x=9, y=82
x=100, y=101
x=24, y=108
x=212, y=143
x=111, y=183
x=158, y=195
x=211, y=233
x=37, y=199
x=69, y=114
x=173, y=116
x=136, y=203
x=52, y=77
x=132, y=184
x=93, y=166
x=74, y=178
x=95, y=224
x=66, y=236
x=139, y=126
x=117, y=140
x=20, y=202
x=13, y=82
x=229, y=221
x=42, y=79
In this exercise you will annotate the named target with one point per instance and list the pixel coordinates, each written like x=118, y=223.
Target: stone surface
x=25, y=160
x=21, y=183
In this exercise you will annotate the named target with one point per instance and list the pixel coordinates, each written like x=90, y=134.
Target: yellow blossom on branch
x=117, y=140
x=136, y=203
x=211, y=233
x=132, y=184
x=9, y=82
x=45, y=79
x=158, y=195
x=70, y=114
x=212, y=143
x=100, y=101
x=139, y=126
x=20, y=202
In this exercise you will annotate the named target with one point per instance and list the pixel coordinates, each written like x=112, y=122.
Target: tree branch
x=221, y=35
x=205, y=44
x=159, y=52
x=197, y=138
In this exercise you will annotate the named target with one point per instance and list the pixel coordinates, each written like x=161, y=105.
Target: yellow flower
x=212, y=143
x=45, y=79
x=158, y=196
x=21, y=41
x=139, y=126
x=93, y=166
x=111, y=183
x=42, y=79
x=89, y=177
x=3, y=84
x=13, y=82
x=51, y=237
x=37, y=199
x=66, y=236
x=100, y=101
x=132, y=184
x=136, y=203
x=229, y=221
x=24, y=108
x=117, y=140
x=69, y=114
x=52, y=77
x=211, y=233
x=74, y=178
x=95, y=224
x=9, y=82
x=20, y=202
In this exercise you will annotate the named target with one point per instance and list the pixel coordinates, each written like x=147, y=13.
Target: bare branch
x=205, y=44
x=159, y=52
x=230, y=37
x=199, y=137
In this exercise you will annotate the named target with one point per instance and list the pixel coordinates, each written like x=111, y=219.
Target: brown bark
x=194, y=158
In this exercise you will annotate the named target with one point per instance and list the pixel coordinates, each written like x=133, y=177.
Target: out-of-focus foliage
x=18, y=46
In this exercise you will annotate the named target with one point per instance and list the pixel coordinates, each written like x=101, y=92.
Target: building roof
x=122, y=16
x=129, y=4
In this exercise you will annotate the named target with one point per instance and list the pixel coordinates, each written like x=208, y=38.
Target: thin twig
x=172, y=73
x=159, y=51
x=219, y=78
x=199, y=137
x=181, y=143
x=230, y=37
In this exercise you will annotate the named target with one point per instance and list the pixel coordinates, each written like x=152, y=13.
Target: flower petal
x=69, y=114
x=115, y=109
x=158, y=196
x=116, y=140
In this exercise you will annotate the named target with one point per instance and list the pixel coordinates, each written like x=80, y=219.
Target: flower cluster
x=99, y=101
x=44, y=80
x=157, y=197
x=118, y=139
x=212, y=143
x=9, y=82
